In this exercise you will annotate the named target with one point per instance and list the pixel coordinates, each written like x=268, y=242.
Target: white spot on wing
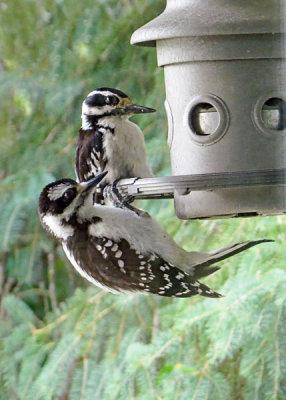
x=118, y=254
x=114, y=247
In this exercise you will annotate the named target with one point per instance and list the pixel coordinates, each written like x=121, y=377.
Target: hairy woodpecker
x=108, y=141
x=120, y=251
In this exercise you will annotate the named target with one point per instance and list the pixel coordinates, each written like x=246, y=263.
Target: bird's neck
x=88, y=210
x=63, y=227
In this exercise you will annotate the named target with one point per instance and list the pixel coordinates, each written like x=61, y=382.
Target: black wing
x=90, y=156
x=117, y=266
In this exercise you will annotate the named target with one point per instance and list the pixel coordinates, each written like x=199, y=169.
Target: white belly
x=125, y=151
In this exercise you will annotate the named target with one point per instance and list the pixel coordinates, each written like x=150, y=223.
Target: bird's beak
x=92, y=182
x=136, y=109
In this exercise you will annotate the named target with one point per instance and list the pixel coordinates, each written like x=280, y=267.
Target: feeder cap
x=184, y=18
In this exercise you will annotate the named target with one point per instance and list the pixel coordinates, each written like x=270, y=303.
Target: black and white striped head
x=60, y=200
x=108, y=102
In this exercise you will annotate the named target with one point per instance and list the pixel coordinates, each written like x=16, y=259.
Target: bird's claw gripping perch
x=112, y=194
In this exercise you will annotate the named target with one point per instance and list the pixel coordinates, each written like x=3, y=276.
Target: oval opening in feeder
x=207, y=118
x=204, y=119
x=273, y=114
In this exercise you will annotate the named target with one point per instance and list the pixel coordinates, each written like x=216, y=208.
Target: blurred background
x=62, y=339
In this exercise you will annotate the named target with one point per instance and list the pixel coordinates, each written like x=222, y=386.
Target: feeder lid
x=183, y=18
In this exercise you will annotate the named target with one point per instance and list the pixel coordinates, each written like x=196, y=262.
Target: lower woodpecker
x=120, y=251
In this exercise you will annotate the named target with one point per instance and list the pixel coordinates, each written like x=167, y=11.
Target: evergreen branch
x=139, y=316
x=258, y=381
x=121, y=367
x=197, y=387
x=92, y=336
x=34, y=247
x=219, y=389
x=155, y=324
x=256, y=360
x=268, y=298
x=53, y=324
x=160, y=351
x=231, y=348
x=100, y=316
x=68, y=382
x=63, y=317
x=10, y=224
x=152, y=389
x=120, y=331
x=277, y=352
x=51, y=275
x=59, y=360
x=229, y=340
x=84, y=378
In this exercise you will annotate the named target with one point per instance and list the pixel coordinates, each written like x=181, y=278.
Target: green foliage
x=62, y=339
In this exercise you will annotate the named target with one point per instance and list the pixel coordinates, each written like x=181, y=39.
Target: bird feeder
x=225, y=75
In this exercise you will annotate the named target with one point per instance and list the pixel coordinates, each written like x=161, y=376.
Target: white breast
x=125, y=150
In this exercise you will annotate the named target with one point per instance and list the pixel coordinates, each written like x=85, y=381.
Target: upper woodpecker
x=108, y=141
x=120, y=251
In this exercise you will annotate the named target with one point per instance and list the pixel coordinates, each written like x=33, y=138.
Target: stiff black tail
x=204, y=269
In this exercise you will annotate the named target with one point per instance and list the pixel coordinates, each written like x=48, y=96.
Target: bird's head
x=107, y=102
x=59, y=201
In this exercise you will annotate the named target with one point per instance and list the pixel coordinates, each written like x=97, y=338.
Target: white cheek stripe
x=89, y=110
x=57, y=192
x=85, y=124
x=56, y=226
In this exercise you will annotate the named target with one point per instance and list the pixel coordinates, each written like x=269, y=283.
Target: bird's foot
x=112, y=194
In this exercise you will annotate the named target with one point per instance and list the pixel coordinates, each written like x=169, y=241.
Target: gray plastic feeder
x=225, y=75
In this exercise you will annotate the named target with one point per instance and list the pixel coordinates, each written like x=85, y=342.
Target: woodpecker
x=120, y=251
x=108, y=141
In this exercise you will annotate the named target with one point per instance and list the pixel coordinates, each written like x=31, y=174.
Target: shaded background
x=62, y=339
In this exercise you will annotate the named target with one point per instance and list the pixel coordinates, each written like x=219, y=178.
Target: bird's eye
x=69, y=194
x=108, y=100
x=112, y=100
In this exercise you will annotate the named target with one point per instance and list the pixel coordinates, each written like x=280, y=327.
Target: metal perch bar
x=164, y=187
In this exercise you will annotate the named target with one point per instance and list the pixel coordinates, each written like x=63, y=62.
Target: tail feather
x=205, y=291
x=200, y=272
x=202, y=268
x=229, y=251
x=191, y=288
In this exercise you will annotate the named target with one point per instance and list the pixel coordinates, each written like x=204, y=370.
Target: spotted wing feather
x=120, y=268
